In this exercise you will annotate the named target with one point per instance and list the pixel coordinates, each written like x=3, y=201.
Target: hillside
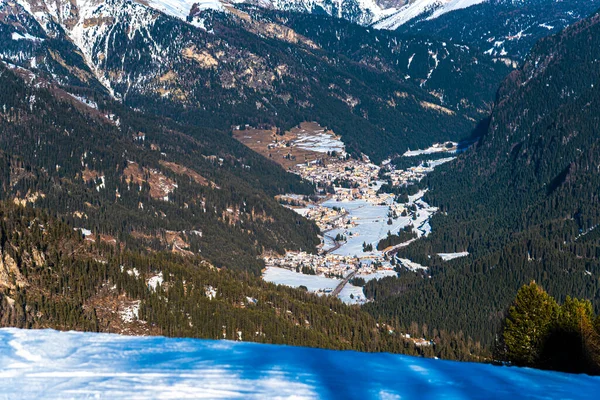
x=236, y=66
x=55, y=364
x=504, y=28
x=51, y=276
x=523, y=202
x=463, y=79
x=130, y=178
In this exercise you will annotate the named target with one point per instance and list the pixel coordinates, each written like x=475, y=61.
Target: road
x=334, y=248
x=337, y=244
x=339, y=287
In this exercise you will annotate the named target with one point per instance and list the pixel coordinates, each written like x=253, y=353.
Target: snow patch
x=452, y=256
x=210, y=292
x=156, y=280
x=130, y=313
x=411, y=265
x=314, y=283
x=25, y=36
x=320, y=142
x=417, y=8
x=181, y=8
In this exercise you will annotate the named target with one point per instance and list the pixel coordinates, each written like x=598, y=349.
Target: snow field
x=314, y=283
x=61, y=365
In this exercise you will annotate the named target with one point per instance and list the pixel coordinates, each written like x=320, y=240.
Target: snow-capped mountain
x=381, y=14
x=222, y=65
x=363, y=12
x=504, y=28
x=430, y=9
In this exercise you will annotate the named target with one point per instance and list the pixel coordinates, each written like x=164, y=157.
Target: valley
x=352, y=211
x=392, y=176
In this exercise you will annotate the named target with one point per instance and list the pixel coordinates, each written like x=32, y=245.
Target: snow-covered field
x=378, y=275
x=313, y=283
x=351, y=294
x=452, y=256
x=371, y=226
x=411, y=265
x=436, y=148
x=46, y=364
x=320, y=142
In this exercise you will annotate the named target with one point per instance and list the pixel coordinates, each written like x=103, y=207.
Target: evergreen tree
x=572, y=343
x=527, y=324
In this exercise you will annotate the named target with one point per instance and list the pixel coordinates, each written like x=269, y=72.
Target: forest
x=523, y=201
x=52, y=277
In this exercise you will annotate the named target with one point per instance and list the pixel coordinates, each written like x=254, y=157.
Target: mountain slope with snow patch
x=431, y=8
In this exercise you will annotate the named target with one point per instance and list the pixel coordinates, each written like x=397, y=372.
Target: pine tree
x=527, y=324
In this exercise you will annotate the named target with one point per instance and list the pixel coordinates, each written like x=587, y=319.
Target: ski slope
x=61, y=365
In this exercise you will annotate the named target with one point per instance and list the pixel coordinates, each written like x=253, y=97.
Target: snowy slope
x=50, y=364
x=181, y=8
x=420, y=7
x=380, y=14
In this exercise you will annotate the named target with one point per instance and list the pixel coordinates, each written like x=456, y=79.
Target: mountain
x=52, y=276
x=421, y=9
x=462, y=78
x=382, y=14
x=504, y=28
x=219, y=69
x=89, y=160
x=59, y=364
x=523, y=201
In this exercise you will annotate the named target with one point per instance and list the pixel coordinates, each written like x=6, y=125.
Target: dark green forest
x=523, y=201
x=51, y=277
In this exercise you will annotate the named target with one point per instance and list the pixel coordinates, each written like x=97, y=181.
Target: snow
x=156, y=280
x=369, y=8
x=83, y=100
x=84, y=232
x=410, y=60
x=51, y=364
x=454, y=5
x=378, y=275
x=320, y=142
x=210, y=292
x=355, y=291
x=25, y=36
x=452, y=256
x=130, y=313
x=437, y=163
x=181, y=8
x=416, y=8
x=371, y=226
x=411, y=265
x=314, y=283
x=436, y=148
x=133, y=272
x=302, y=211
